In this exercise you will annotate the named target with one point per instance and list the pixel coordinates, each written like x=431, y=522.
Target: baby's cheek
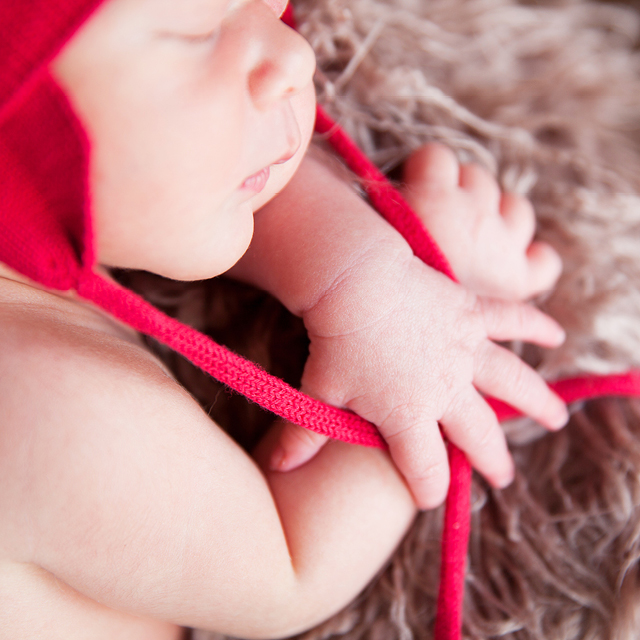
x=304, y=106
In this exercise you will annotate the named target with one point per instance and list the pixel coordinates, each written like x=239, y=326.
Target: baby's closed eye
x=203, y=25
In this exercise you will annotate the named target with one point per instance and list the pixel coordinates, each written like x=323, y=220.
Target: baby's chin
x=189, y=256
x=222, y=246
x=220, y=255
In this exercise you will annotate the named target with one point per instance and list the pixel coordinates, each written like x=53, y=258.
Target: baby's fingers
x=502, y=374
x=519, y=218
x=545, y=267
x=471, y=425
x=431, y=166
x=419, y=453
x=297, y=445
x=517, y=321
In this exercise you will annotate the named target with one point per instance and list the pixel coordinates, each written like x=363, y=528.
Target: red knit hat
x=46, y=235
x=42, y=148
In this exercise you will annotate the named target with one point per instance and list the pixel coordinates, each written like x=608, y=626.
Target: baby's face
x=198, y=112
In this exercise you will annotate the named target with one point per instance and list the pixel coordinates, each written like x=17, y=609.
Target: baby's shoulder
x=57, y=353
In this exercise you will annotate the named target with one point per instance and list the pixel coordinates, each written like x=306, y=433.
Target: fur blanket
x=547, y=95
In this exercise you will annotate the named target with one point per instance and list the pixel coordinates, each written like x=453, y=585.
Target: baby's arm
x=392, y=339
x=114, y=481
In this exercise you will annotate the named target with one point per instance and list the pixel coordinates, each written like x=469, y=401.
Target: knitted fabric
x=46, y=235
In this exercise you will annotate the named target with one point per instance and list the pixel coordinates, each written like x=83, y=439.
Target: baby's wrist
x=362, y=291
x=314, y=238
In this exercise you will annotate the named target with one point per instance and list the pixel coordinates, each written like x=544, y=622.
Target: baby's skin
x=399, y=343
x=127, y=513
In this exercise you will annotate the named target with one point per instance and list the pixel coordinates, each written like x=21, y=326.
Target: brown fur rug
x=547, y=95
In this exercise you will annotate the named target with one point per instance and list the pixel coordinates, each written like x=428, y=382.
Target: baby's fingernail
x=559, y=337
x=562, y=336
x=278, y=460
x=561, y=419
x=507, y=478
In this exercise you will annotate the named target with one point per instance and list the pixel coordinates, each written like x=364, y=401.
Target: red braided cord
x=56, y=262
x=457, y=518
x=383, y=196
x=623, y=385
x=456, y=527
x=276, y=396
x=453, y=548
x=239, y=374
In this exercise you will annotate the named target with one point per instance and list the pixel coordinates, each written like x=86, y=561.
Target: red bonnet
x=45, y=233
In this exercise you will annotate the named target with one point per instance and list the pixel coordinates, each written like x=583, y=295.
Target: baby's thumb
x=296, y=446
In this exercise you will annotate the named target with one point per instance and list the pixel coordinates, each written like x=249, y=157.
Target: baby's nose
x=286, y=62
x=277, y=6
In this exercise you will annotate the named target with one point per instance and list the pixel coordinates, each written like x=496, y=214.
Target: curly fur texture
x=548, y=97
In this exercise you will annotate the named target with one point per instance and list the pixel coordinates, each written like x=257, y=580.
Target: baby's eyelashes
x=209, y=38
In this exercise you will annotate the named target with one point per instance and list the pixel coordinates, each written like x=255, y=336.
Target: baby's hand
x=406, y=348
x=487, y=237
x=485, y=234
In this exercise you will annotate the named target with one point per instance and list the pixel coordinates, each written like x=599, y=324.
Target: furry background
x=546, y=95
